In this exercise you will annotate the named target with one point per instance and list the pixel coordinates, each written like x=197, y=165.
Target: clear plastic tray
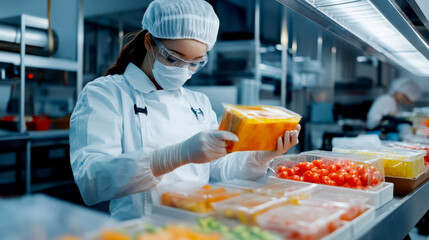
x=291, y=191
x=301, y=222
x=335, y=169
x=248, y=206
x=257, y=127
x=352, y=205
x=191, y=197
x=378, y=196
x=397, y=162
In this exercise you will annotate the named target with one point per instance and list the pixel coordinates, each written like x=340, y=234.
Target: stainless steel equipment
x=36, y=40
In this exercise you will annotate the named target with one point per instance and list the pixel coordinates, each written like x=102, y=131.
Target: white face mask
x=170, y=77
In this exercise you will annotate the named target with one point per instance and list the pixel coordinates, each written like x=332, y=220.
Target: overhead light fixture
x=365, y=21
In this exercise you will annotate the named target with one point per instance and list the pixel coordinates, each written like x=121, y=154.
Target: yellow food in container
x=397, y=162
x=257, y=127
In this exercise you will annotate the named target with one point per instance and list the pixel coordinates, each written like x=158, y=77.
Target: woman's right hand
x=206, y=146
x=203, y=147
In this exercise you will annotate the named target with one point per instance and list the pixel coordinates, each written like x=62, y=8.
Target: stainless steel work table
x=23, y=143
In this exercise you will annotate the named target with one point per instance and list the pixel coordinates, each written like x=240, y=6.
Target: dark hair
x=132, y=52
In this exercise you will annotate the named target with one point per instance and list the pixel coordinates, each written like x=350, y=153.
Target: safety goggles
x=169, y=58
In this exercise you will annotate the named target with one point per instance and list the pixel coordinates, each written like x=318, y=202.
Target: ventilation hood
x=396, y=31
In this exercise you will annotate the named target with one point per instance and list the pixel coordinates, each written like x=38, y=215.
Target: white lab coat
x=110, y=145
x=382, y=106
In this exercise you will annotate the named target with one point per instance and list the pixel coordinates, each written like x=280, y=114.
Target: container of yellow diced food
x=397, y=162
x=257, y=127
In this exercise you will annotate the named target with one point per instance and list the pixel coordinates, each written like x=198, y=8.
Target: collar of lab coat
x=138, y=79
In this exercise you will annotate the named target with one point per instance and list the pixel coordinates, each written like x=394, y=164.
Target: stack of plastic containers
x=329, y=168
x=397, y=162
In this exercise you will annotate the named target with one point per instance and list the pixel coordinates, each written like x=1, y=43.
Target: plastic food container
x=257, y=127
x=301, y=222
x=352, y=205
x=335, y=169
x=413, y=146
x=196, y=199
x=397, y=162
x=248, y=206
x=291, y=191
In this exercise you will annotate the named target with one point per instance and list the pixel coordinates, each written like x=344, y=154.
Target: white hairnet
x=182, y=19
x=407, y=87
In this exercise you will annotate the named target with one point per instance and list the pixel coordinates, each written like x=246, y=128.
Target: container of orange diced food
x=197, y=199
x=257, y=127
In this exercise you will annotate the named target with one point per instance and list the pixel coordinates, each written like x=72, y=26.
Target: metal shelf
x=272, y=71
x=234, y=46
x=30, y=21
x=40, y=135
x=39, y=62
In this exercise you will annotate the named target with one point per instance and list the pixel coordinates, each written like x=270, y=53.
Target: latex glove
x=289, y=140
x=203, y=147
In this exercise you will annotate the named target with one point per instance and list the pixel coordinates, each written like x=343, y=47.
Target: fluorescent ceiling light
x=364, y=20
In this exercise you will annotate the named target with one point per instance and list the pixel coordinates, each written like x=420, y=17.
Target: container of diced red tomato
x=329, y=168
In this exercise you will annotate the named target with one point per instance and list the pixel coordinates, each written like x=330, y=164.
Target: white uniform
x=382, y=106
x=110, y=144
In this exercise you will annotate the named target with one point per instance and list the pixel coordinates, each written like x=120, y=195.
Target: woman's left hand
x=289, y=140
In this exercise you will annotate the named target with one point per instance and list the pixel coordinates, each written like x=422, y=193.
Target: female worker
x=137, y=127
x=403, y=91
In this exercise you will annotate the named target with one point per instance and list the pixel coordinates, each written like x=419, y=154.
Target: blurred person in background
x=403, y=91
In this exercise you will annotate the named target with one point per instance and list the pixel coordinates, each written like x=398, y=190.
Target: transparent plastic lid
x=258, y=113
x=407, y=145
x=352, y=205
x=385, y=152
x=246, y=186
x=337, y=156
x=193, y=198
x=247, y=207
x=288, y=190
x=250, y=203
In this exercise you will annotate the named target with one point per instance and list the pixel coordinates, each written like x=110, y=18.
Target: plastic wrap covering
x=257, y=127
